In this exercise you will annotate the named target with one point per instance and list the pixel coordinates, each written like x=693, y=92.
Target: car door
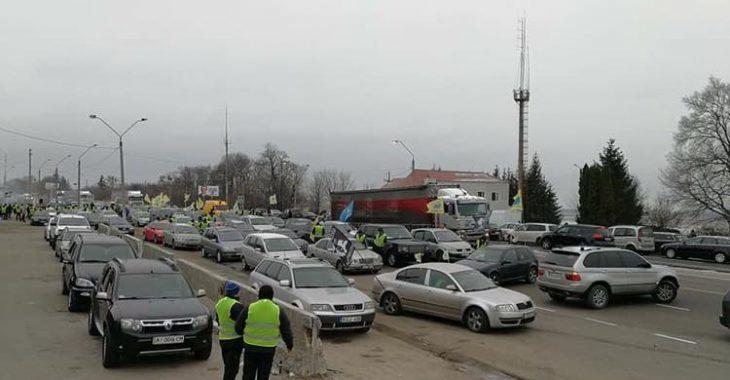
x=509, y=267
x=706, y=248
x=247, y=250
x=288, y=293
x=103, y=306
x=410, y=287
x=560, y=238
x=640, y=276
x=68, y=266
x=615, y=272
x=269, y=277
x=525, y=260
x=317, y=249
x=440, y=300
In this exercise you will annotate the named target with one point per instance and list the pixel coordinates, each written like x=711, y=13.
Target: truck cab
x=466, y=214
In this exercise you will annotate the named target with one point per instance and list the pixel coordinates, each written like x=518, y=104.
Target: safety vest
x=226, y=325
x=362, y=238
x=380, y=240
x=262, y=324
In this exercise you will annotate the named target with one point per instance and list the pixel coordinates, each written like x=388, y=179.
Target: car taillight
x=572, y=276
x=540, y=272
x=597, y=236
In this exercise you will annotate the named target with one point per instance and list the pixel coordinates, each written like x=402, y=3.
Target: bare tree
x=698, y=175
x=664, y=212
x=325, y=181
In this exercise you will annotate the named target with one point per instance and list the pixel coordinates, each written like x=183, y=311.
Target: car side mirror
x=644, y=265
x=451, y=287
x=102, y=296
x=201, y=293
x=285, y=283
x=351, y=281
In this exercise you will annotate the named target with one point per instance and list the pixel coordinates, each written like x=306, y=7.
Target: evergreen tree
x=540, y=201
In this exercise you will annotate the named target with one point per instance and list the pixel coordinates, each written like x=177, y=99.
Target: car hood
x=499, y=296
x=365, y=254
x=478, y=265
x=334, y=296
x=89, y=271
x=264, y=227
x=159, y=308
x=454, y=245
x=186, y=236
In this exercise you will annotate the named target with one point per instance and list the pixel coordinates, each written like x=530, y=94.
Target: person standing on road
x=263, y=325
x=380, y=240
x=227, y=311
x=317, y=232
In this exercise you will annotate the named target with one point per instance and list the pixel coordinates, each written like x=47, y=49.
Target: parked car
x=181, y=219
x=244, y=228
x=49, y=227
x=715, y=248
x=181, y=235
x=40, y=218
x=661, y=238
x=452, y=291
x=301, y=243
x=596, y=274
x=400, y=249
x=505, y=231
x=725, y=316
x=223, y=243
x=67, y=221
x=503, y=263
x=63, y=241
x=633, y=238
x=316, y=287
x=276, y=221
x=147, y=307
x=329, y=230
x=82, y=268
x=361, y=260
x=94, y=219
x=155, y=231
x=531, y=233
x=442, y=244
x=301, y=226
x=261, y=245
x=577, y=234
x=140, y=218
x=119, y=223
x=259, y=223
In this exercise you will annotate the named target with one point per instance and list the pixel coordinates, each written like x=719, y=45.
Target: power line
x=49, y=140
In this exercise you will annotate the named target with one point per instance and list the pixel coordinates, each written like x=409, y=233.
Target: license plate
x=172, y=339
x=352, y=319
x=552, y=274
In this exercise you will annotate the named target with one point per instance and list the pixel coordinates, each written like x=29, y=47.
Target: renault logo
x=168, y=325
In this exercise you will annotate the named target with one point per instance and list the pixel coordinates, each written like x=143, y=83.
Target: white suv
x=531, y=233
x=634, y=238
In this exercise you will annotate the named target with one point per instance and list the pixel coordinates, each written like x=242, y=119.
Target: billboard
x=208, y=191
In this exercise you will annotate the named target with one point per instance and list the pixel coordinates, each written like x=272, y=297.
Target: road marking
x=600, y=321
x=673, y=307
x=703, y=291
x=675, y=338
x=544, y=309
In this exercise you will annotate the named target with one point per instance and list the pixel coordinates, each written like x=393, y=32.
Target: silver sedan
x=182, y=236
x=455, y=292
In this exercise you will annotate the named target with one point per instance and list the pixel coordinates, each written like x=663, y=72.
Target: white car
x=259, y=246
x=531, y=232
x=51, y=224
x=259, y=223
x=633, y=238
x=66, y=221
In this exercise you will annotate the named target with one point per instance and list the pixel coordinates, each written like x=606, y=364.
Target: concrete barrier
x=307, y=357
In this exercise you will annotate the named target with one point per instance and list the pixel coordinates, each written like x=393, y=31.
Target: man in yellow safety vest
x=227, y=311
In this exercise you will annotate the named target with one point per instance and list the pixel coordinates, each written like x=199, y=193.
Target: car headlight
x=368, y=305
x=200, y=321
x=134, y=325
x=506, y=308
x=83, y=283
x=378, y=260
x=321, y=307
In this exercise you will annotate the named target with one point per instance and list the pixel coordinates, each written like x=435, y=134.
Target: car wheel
x=218, y=257
x=547, y=244
x=64, y=286
x=597, y=297
x=666, y=292
x=476, y=319
x=245, y=265
x=110, y=356
x=557, y=297
x=392, y=260
x=513, y=239
x=73, y=303
x=91, y=326
x=531, y=276
x=670, y=253
x=390, y=304
x=494, y=276
x=720, y=257
x=204, y=353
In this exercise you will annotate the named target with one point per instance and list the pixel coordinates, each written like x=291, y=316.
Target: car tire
x=110, y=356
x=720, y=257
x=547, y=244
x=90, y=325
x=531, y=276
x=598, y=297
x=392, y=260
x=245, y=265
x=204, y=353
x=390, y=303
x=64, y=286
x=670, y=253
x=494, y=276
x=476, y=319
x=218, y=257
x=666, y=292
x=557, y=297
x=73, y=302
x=512, y=239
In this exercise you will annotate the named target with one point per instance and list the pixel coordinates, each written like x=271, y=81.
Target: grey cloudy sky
x=333, y=82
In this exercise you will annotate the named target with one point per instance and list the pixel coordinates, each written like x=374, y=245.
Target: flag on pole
x=342, y=242
x=346, y=213
x=272, y=200
x=517, y=202
x=435, y=206
x=147, y=199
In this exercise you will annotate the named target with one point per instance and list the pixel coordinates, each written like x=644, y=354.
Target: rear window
x=561, y=258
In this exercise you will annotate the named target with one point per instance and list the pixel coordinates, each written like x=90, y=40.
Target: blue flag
x=347, y=212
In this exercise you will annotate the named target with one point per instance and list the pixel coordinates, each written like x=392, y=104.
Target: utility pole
x=225, y=166
x=30, y=174
x=78, y=177
x=521, y=95
x=5, y=169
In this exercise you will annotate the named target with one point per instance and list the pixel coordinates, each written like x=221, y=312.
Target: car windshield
x=446, y=236
x=115, y=220
x=486, y=254
x=298, y=222
x=101, y=253
x=259, y=221
x=185, y=230
x=287, y=233
x=473, y=281
x=73, y=222
x=319, y=277
x=276, y=220
x=150, y=286
x=397, y=232
x=229, y=236
x=561, y=258
x=280, y=245
x=471, y=209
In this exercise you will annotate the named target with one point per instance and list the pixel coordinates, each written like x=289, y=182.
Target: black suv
x=504, y=263
x=82, y=266
x=147, y=307
x=577, y=234
x=401, y=247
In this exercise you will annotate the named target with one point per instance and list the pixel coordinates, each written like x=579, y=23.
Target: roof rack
x=120, y=262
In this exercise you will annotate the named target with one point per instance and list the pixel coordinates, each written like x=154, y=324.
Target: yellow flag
x=435, y=206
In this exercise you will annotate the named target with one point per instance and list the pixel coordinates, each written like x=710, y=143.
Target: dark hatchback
x=715, y=248
x=119, y=223
x=504, y=263
x=146, y=307
x=576, y=235
x=87, y=255
x=400, y=249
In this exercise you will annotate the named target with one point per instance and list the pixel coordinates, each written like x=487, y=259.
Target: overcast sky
x=333, y=82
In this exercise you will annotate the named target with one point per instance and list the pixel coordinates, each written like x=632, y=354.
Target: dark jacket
x=284, y=330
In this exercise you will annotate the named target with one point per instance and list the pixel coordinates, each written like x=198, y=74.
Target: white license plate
x=172, y=339
x=352, y=319
x=553, y=274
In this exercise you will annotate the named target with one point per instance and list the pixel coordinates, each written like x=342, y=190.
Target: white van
x=635, y=238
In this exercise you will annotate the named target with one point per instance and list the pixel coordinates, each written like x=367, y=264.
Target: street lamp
x=78, y=178
x=413, y=157
x=121, y=148
x=59, y=164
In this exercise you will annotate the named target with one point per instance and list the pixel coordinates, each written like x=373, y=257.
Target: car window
x=561, y=258
x=261, y=268
x=708, y=241
x=418, y=235
x=439, y=280
x=632, y=260
x=694, y=241
x=322, y=244
x=592, y=260
x=535, y=227
x=510, y=256
x=284, y=274
x=629, y=232
x=524, y=254
x=273, y=270
x=413, y=275
x=611, y=259
x=552, y=228
x=280, y=244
